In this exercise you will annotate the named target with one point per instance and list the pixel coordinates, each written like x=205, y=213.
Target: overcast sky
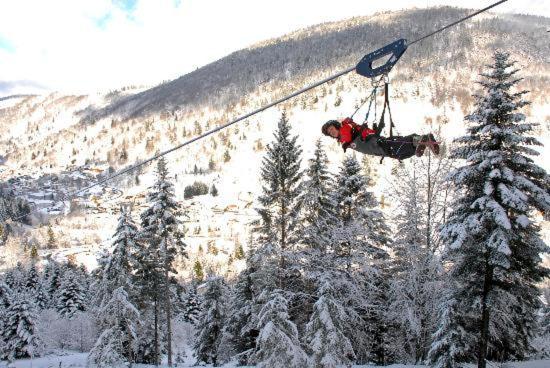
x=80, y=46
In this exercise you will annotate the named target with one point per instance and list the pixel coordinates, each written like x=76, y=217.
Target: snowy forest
x=453, y=276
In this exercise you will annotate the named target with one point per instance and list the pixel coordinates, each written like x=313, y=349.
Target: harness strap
x=382, y=123
x=387, y=98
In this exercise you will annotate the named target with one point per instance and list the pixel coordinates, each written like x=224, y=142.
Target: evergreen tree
x=211, y=321
x=362, y=230
x=19, y=331
x=9, y=279
x=191, y=306
x=5, y=300
x=35, y=289
x=53, y=278
x=5, y=295
x=493, y=243
x=32, y=280
x=33, y=254
x=319, y=207
x=116, y=344
x=358, y=254
x=52, y=242
x=415, y=272
x=280, y=205
x=214, y=191
x=118, y=269
x=198, y=273
x=241, y=322
x=163, y=234
x=278, y=344
x=71, y=296
x=327, y=329
x=239, y=251
x=15, y=278
x=449, y=348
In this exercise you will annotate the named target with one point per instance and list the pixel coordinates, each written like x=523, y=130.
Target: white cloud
x=86, y=45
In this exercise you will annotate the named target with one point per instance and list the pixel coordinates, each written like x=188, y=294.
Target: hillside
x=54, y=144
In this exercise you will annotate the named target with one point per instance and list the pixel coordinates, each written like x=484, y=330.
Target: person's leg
x=433, y=144
x=399, y=147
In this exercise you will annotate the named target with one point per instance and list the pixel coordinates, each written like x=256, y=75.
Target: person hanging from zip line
x=369, y=141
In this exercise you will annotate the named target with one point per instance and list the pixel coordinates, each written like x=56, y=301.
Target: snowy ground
x=79, y=360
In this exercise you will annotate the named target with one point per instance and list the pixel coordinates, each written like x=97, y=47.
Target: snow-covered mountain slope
x=75, y=138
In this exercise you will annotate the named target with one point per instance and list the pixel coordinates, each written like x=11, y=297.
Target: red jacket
x=349, y=131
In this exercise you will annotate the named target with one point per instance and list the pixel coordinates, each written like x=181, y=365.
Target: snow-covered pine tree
x=415, y=273
x=280, y=205
x=55, y=273
x=493, y=241
x=191, y=305
x=5, y=299
x=19, y=329
x=35, y=288
x=116, y=344
x=15, y=278
x=147, y=283
x=5, y=295
x=117, y=272
x=542, y=341
x=326, y=331
x=32, y=279
x=278, y=343
x=276, y=257
x=362, y=231
x=358, y=252
x=163, y=230
x=211, y=321
x=70, y=296
x=318, y=203
x=318, y=223
x=241, y=322
x=449, y=346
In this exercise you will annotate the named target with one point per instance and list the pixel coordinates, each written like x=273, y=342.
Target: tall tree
x=318, y=204
x=163, y=231
x=19, y=333
x=211, y=321
x=116, y=344
x=5, y=300
x=359, y=255
x=415, y=273
x=118, y=269
x=493, y=242
x=278, y=344
x=53, y=277
x=71, y=296
x=241, y=322
x=191, y=305
x=280, y=205
x=329, y=326
x=117, y=314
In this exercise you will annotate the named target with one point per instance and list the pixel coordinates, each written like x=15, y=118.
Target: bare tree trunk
x=130, y=351
x=282, y=264
x=168, y=316
x=156, y=332
x=483, y=341
x=429, y=200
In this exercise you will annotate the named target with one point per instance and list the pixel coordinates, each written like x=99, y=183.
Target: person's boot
x=418, y=142
x=433, y=145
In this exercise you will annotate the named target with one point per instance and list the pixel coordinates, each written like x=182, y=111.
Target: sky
x=86, y=46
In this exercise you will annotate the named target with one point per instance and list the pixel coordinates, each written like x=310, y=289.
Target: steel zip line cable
x=276, y=102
